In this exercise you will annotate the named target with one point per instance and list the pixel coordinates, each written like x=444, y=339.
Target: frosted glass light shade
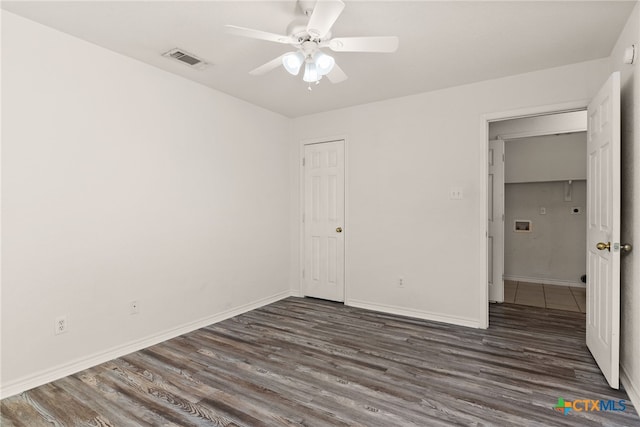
x=310, y=73
x=292, y=62
x=324, y=63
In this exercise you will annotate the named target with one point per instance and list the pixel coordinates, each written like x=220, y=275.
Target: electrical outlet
x=401, y=282
x=61, y=325
x=455, y=193
x=134, y=307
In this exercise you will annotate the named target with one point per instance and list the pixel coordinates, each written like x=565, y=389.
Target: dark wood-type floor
x=307, y=362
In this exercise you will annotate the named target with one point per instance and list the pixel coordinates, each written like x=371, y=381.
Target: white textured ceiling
x=442, y=44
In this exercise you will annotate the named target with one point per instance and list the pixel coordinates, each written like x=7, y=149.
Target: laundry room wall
x=546, y=184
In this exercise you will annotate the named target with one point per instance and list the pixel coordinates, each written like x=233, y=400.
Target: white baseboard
x=420, y=314
x=545, y=281
x=295, y=293
x=43, y=377
x=633, y=390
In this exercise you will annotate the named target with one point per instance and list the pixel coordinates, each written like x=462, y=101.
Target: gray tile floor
x=566, y=298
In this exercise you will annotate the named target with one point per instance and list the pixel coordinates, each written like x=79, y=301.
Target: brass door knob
x=602, y=246
x=339, y=229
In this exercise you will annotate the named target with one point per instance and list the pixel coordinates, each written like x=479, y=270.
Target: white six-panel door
x=495, y=240
x=323, y=273
x=603, y=229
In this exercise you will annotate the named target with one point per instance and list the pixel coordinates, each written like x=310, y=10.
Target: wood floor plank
x=307, y=362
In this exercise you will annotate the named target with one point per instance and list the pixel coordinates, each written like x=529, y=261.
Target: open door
x=603, y=229
x=496, y=221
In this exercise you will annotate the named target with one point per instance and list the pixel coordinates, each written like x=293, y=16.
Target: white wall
x=122, y=182
x=630, y=233
x=403, y=155
x=553, y=252
x=546, y=158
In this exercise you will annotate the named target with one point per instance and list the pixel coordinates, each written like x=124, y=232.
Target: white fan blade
x=323, y=17
x=337, y=75
x=257, y=34
x=364, y=44
x=265, y=68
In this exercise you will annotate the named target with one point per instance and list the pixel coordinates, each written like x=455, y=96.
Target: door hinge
x=303, y=273
x=503, y=157
x=303, y=161
x=502, y=217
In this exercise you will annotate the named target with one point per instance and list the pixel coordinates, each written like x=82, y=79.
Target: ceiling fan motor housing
x=297, y=30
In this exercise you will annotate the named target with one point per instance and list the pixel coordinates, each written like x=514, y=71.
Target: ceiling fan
x=308, y=35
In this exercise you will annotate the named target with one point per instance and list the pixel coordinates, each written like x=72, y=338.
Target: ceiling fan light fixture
x=310, y=73
x=292, y=62
x=308, y=35
x=324, y=63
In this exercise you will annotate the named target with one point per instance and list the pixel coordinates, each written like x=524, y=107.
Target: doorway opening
x=515, y=119
x=537, y=202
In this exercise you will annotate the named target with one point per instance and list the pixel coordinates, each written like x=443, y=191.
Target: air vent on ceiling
x=186, y=58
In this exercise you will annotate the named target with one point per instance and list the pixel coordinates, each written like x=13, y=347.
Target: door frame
x=485, y=119
x=301, y=208
x=497, y=243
